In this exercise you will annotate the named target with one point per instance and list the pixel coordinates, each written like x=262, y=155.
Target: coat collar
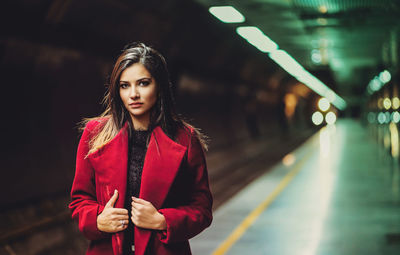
x=161, y=163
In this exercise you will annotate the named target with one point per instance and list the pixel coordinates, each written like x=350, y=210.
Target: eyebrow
x=144, y=78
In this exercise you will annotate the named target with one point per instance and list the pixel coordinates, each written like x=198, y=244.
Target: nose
x=134, y=92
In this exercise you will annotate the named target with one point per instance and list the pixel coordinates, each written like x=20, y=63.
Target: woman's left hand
x=145, y=215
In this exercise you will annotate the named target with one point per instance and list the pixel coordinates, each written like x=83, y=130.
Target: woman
x=141, y=181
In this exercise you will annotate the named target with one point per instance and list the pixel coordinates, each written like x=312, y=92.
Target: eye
x=144, y=83
x=123, y=85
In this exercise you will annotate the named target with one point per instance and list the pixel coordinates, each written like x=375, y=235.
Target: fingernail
x=115, y=191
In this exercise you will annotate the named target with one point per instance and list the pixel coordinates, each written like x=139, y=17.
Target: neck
x=141, y=122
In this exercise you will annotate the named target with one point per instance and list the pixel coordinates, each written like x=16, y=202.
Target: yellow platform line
x=249, y=220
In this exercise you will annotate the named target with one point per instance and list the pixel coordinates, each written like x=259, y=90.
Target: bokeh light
x=323, y=104
x=387, y=103
x=317, y=118
x=330, y=118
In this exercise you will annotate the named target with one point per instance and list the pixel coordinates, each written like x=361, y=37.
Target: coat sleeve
x=84, y=205
x=185, y=222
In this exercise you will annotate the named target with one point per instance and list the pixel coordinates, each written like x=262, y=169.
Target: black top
x=136, y=154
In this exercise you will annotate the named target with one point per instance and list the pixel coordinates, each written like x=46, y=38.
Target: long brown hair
x=162, y=114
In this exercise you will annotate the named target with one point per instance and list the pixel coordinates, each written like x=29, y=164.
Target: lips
x=135, y=104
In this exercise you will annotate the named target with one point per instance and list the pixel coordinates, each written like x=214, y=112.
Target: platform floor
x=335, y=194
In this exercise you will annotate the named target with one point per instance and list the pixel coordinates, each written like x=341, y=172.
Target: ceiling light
x=324, y=104
x=387, y=103
x=395, y=103
x=379, y=81
x=317, y=118
x=321, y=89
x=257, y=38
x=385, y=76
x=387, y=117
x=287, y=62
x=323, y=9
x=227, y=14
x=316, y=56
x=396, y=117
x=330, y=118
x=381, y=118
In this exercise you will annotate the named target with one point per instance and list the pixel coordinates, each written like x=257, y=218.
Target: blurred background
x=259, y=78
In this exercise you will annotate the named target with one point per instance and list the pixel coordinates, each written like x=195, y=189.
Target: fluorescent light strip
x=227, y=14
x=258, y=39
x=287, y=62
x=290, y=65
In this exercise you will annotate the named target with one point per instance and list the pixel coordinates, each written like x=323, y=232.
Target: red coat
x=174, y=180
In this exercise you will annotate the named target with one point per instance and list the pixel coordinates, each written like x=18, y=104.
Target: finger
x=139, y=200
x=135, y=205
x=117, y=217
x=122, y=224
x=125, y=226
x=119, y=211
x=112, y=200
x=122, y=217
x=138, y=206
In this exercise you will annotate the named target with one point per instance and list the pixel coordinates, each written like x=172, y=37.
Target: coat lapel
x=162, y=161
x=161, y=164
x=111, y=162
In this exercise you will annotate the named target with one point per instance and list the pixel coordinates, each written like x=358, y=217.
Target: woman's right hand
x=112, y=219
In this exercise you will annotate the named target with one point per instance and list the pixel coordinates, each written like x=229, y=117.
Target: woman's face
x=138, y=91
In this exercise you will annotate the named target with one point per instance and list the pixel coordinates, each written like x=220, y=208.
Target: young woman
x=141, y=181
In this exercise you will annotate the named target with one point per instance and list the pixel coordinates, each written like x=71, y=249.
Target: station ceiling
x=352, y=39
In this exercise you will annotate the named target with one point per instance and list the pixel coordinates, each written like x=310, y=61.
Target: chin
x=137, y=113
